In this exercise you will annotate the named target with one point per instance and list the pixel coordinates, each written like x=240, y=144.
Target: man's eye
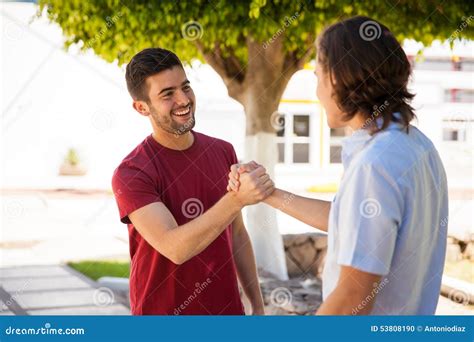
x=187, y=87
x=168, y=94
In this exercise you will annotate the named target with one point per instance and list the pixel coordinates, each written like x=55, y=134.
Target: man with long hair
x=387, y=223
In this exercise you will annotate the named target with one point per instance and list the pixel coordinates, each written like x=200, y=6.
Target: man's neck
x=357, y=122
x=173, y=141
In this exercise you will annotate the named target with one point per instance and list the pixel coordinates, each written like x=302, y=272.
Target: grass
x=96, y=269
x=463, y=269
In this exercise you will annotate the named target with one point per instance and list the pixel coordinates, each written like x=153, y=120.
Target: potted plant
x=71, y=165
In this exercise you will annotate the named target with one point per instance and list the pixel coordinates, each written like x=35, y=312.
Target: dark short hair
x=368, y=70
x=147, y=63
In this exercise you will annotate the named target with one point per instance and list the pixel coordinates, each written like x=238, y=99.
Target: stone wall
x=301, y=294
x=305, y=254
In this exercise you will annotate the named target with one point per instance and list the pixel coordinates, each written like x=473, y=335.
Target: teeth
x=182, y=112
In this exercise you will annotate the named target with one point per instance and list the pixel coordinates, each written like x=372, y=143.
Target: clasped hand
x=250, y=182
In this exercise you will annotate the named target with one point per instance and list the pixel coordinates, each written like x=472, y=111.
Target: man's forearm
x=194, y=236
x=345, y=302
x=246, y=269
x=311, y=211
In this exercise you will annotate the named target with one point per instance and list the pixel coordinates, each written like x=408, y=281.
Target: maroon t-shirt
x=188, y=183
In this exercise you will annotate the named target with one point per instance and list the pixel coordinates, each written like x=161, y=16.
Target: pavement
x=46, y=230
x=61, y=290
x=55, y=290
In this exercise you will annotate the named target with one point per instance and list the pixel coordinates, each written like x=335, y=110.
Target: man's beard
x=167, y=123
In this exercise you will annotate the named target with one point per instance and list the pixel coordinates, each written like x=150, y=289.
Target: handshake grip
x=250, y=182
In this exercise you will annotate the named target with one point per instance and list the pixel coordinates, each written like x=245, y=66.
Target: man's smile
x=182, y=111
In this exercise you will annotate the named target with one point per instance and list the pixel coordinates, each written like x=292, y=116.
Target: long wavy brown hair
x=369, y=71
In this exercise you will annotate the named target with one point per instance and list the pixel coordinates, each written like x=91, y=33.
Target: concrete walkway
x=55, y=290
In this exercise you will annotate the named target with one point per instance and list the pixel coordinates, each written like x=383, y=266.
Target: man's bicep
x=153, y=221
x=355, y=278
x=362, y=285
x=370, y=210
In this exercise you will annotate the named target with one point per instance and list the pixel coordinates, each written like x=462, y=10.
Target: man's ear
x=141, y=107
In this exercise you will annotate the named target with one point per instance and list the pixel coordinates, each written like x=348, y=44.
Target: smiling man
x=188, y=242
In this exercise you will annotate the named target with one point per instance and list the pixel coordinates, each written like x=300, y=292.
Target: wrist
x=272, y=200
x=234, y=201
x=258, y=309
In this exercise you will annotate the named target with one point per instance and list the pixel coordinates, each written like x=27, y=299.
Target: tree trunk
x=262, y=222
x=259, y=86
x=261, y=94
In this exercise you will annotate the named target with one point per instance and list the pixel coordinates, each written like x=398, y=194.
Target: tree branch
x=228, y=68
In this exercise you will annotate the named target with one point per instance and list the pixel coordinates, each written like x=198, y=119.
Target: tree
x=254, y=45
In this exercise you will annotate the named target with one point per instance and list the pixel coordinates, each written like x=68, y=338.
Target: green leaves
x=117, y=29
x=255, y=7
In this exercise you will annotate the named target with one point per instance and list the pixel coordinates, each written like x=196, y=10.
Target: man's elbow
x=178, y=258
x=175, y=258
x=170, y=250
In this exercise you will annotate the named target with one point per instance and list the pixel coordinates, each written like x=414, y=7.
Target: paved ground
x=47, y=229
x=54, y=290
x=60, y=290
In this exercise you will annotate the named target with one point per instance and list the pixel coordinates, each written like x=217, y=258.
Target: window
x=434, y=64
x=300, y=153
x=281, y=152
x=456, y=128
x=443, y=64
x=335, y=154
x=467, y=65
x=335, y=147
x=293, y=140
x=459, y=95
x=452, y=134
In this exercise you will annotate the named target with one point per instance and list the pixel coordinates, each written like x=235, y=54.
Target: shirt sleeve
x=233, y=156
x=133, y=189
x=369, y=214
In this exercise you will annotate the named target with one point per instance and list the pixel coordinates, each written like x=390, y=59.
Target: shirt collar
x=356, y=142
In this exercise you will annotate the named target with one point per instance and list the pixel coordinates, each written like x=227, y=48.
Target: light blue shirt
x=389, y=217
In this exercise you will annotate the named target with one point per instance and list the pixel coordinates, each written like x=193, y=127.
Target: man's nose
x=181, y=98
